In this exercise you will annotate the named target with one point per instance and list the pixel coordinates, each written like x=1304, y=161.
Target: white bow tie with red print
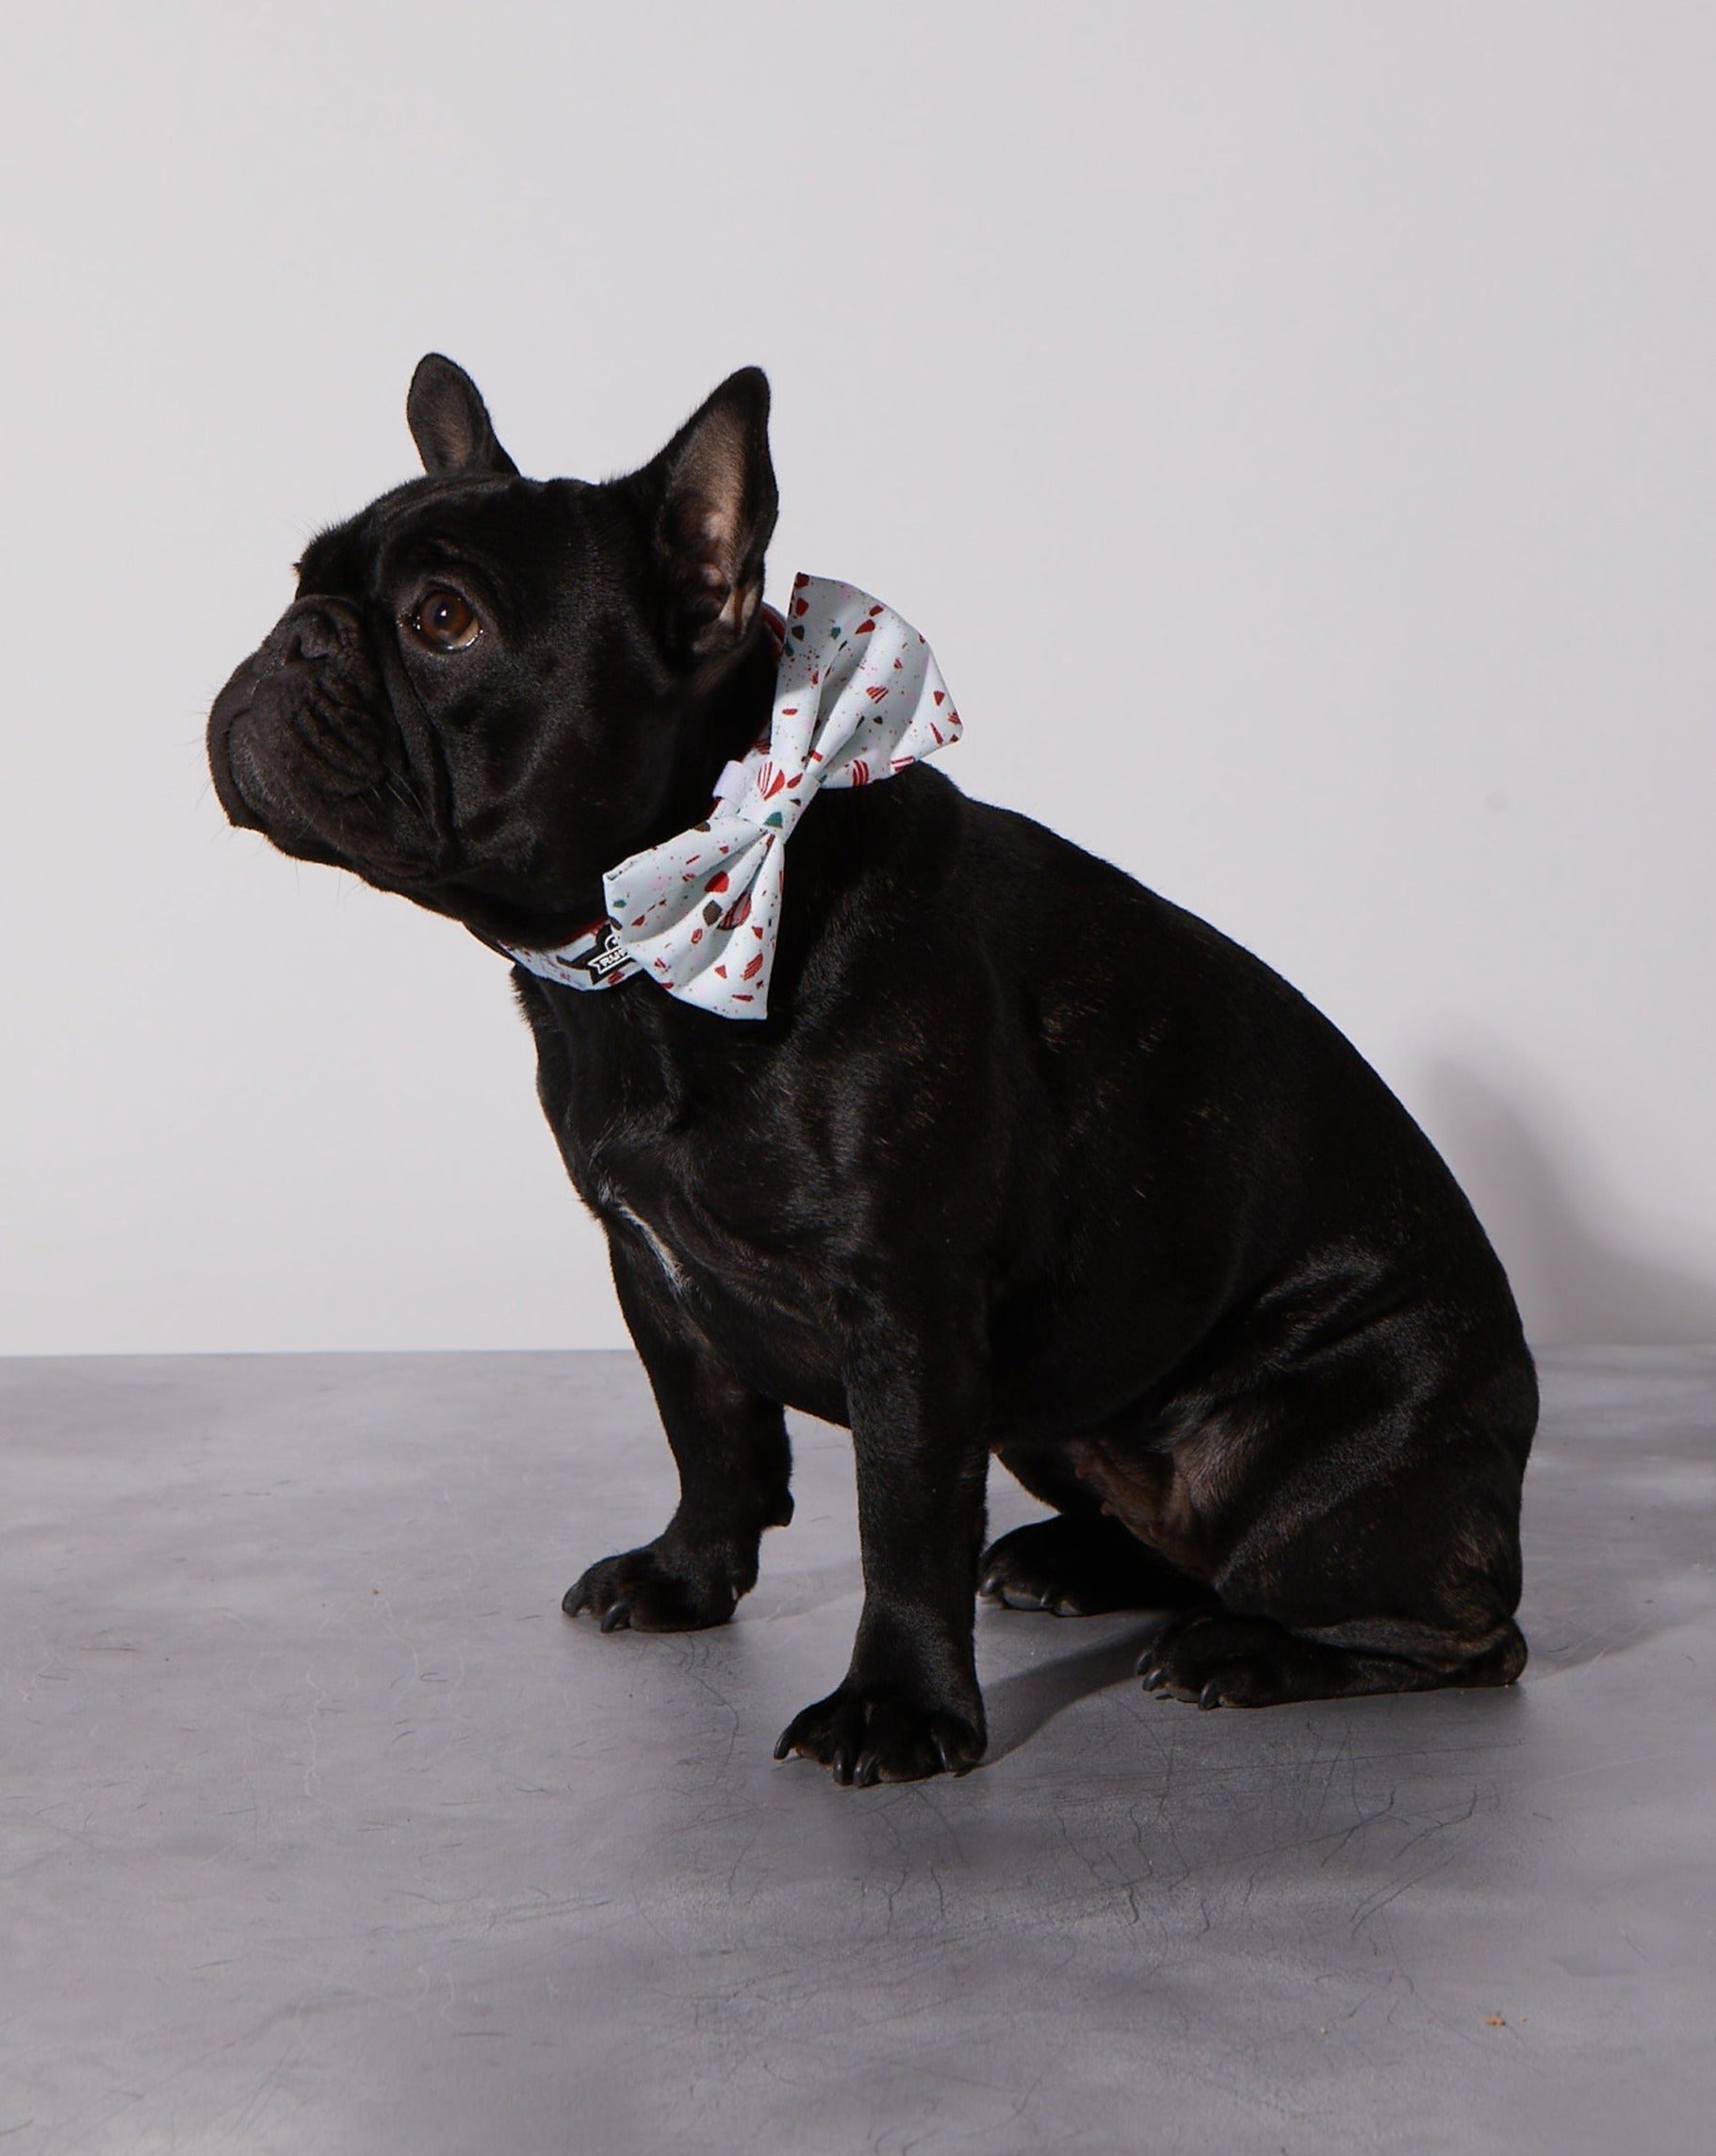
x=858, y=697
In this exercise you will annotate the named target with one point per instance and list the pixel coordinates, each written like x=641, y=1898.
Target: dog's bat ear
x=449, y=422
x=715, y=501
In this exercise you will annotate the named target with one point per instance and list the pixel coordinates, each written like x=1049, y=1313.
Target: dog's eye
x=444, y=621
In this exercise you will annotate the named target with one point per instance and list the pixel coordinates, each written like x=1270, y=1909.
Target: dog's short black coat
x=1024, y=1160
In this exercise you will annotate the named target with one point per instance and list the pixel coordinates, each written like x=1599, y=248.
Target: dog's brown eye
x=444, y=621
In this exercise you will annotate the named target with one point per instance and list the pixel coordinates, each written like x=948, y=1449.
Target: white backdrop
x=1291, y=424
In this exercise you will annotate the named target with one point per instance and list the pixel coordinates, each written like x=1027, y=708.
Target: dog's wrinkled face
x=489, y=689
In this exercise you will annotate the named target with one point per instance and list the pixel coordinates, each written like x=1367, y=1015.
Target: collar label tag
x=607, y=953
x=594, y=958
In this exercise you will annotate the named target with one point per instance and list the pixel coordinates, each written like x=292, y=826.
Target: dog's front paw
x=866, y=1733
x=651, y=1590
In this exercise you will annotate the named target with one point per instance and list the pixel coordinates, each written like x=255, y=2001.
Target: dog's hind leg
x=1081, y=1562
x=1361, y=1531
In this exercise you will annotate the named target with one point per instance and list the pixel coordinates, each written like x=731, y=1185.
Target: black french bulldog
x=1023, y=1159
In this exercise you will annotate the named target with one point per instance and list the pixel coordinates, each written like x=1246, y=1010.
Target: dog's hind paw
x=1218, y=1659
x=871, y=1733
x=651, y=1590
x=1076, y=1567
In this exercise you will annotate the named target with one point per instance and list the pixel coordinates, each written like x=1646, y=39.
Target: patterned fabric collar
x=858, y=697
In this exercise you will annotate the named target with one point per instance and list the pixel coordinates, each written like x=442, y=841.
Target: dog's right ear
x=449, y=422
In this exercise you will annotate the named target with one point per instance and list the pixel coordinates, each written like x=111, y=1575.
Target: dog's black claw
x=1008, y=1593
x=653, y=1589
x=1211, y=1659
x=864, y=1736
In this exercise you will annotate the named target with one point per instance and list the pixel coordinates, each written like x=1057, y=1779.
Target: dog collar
x=858, y=697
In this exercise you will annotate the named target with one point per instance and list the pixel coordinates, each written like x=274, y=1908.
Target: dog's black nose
x=314, y=630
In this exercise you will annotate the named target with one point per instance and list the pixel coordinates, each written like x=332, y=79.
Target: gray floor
x=323, y=1831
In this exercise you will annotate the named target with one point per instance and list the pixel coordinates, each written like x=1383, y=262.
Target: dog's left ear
x=713, y=499
x=449, y=422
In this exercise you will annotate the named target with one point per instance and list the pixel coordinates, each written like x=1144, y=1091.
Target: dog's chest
x=713, y=1211
x=760, y=1289
x=705, y=1180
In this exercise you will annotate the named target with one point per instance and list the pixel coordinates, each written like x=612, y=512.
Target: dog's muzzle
x=296, y=739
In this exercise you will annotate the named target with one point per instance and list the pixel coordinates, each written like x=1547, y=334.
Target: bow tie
x=858, y=697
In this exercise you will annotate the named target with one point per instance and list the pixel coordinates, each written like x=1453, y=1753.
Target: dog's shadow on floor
x=1609, y=1518
x=1022, y=1702
x=1579, y=1255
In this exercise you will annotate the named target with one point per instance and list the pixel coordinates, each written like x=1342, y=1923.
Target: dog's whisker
x=406, y=792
